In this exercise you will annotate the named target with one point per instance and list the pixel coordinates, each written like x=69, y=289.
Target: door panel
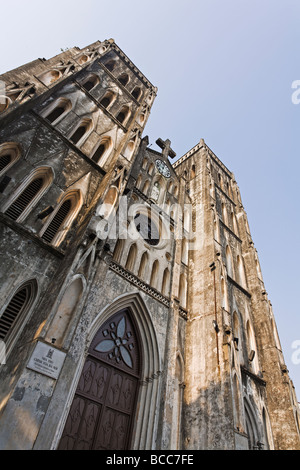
x=104, y=405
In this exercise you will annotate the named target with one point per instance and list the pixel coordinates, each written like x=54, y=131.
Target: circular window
x=147, y=228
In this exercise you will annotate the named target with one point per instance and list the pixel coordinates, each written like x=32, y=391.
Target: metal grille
x=13, y=310
x=4, y=161
x=57, y=221
x=20, y=204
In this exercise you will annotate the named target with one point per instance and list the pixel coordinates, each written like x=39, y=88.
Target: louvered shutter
x=4, y=161
x=57, y=221
x=13, y=310
x=20, y=204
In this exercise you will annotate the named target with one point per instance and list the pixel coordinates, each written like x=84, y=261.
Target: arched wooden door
x=102, y=412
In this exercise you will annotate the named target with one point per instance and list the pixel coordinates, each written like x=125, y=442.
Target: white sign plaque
x=46, y=360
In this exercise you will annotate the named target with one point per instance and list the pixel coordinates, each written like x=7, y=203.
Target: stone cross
x=165, y=145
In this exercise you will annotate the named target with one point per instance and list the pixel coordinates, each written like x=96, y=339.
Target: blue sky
x=224, y=71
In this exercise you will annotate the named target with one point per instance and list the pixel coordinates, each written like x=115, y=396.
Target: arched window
x=139, y=181
x=16, y=309
x=151, y=169
x=109, y=203
x=118, y=251
x=252, y=355
x=237, y=336
x=123, y=79
x=128, y=152
x=107, y=99
x=154, y=274
x=237, y=403
x=103, y=150
x=145, y=163
x=110, y=65
x=185, y=251
x=182, y=290
x=229, y=262
x=90, y=82
x=131, y=257
x=9, y=153
x=28, y=194
x=165, y=289
x=123, y=115
x=57, y=110
x=241, y=272
x=81, y=132
x=136, y=92
x=193, y=172
x=224, y=214
x=60, y=220
x=224, y=292
x=146, y=187
x=143, y=264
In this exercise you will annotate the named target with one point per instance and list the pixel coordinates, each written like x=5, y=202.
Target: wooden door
x=102, y=412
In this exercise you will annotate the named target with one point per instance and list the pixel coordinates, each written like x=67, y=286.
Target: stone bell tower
x=238, y=392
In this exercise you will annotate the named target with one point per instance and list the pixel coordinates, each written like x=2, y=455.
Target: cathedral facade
x=133, y=310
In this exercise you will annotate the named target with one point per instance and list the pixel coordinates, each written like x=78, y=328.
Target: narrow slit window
x=24, y=199
x=57, y=221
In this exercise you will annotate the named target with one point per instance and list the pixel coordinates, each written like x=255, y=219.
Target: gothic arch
x=251, y=425
x=144, y=422
x=59, y=222
x=17, y=308
x=29, y=192
x=10, y=152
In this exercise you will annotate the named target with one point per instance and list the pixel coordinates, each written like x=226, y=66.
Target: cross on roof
x=165, y=145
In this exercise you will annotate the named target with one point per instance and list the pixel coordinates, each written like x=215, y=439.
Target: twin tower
x=133, y=311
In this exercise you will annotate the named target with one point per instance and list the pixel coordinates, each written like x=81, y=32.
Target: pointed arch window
x=143, y=264
x=81, y=132
x=123, y=115
x=103, y=150
x=165, y=289
x=136, y=92
x=9, y=153
x=229, y=263
x=123, y=79
x=57, y=110
x=131, y=257
x=118, y=251
x=182, y=290
x=28, y=194
x=107, y=99
x=60, y=221
x=16, y=309
x=90, y=82
x=110, y=65
x=154, y=274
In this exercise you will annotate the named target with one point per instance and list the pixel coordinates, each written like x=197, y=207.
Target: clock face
x=163, y=169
